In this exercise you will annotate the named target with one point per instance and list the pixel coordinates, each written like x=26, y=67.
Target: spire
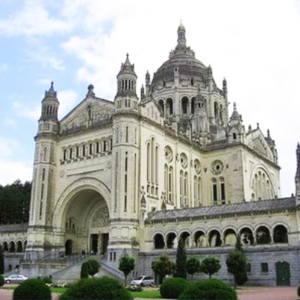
x=51, y=93
x=127, y=67
x=235, y=115
x=50, y=104
x=181, y=41
x=51, y=87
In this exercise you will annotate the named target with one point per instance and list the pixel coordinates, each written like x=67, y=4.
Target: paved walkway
x=267, y=293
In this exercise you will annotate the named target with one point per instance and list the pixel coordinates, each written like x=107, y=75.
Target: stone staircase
x=71, y=273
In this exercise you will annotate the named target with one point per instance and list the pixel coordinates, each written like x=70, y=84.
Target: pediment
x=89, y=112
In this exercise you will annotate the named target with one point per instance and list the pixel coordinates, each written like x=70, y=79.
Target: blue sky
x=254, y=44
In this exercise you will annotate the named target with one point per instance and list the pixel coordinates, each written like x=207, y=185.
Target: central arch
x=81, y=216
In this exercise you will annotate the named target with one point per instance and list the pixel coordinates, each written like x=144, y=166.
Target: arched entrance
x=85, y=221
x=68, y=247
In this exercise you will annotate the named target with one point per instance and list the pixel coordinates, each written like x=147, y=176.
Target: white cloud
x=33, y=19
x=10, y=122
x=23, y=110
x=3, y=67
x=45, y=57
x=7, y=147
x=67, y=100
x=13, y=170
x=10, y=168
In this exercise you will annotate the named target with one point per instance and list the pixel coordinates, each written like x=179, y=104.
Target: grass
x=146, y=294
x=53, y=290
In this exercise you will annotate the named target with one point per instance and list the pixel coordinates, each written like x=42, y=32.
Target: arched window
x=193, y=105
x=263, y=235
x=186, y=193
x=152, y=167
x=117, y=135
x=170, y=106
x=181, y=189
x=159, y=242
x=184, y=105
x=234, y=136
x=222, y=189
x=200, y=239
x=126, y=140
x=216, y=111
x=171, y=240
x=161, y=105
x=215, y=191
x=280, y=234
x=214, y=239
x=229, y=237
x=125, y=182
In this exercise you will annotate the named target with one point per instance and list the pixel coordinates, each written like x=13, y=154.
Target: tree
x=210, y=265
x=93, y=266
x=192, y=266
x=163, y=266
x=237, y=263
x=84, y=270
x=1, y=260
x=181, y=260
x=126, y=265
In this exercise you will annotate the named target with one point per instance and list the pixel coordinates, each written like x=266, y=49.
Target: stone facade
x=134, y=175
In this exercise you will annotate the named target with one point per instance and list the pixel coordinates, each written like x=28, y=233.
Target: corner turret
x=126, y=79
x=48, y=121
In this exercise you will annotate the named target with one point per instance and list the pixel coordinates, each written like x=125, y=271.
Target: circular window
x=168, y=154
x=217, y=167
x=197, y=166
x=183, y=160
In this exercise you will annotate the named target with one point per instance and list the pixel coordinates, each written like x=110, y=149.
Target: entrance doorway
x=105, y=239
x=283, y=274
x=94, y=245
x=68, y=247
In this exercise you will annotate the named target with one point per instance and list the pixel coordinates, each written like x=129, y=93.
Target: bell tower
x=43, y=182
x=124, y=220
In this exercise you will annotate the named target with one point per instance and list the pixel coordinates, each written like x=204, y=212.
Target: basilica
x=134, y=174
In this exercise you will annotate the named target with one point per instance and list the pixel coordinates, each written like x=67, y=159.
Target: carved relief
x=217, y=167
x=101, y=217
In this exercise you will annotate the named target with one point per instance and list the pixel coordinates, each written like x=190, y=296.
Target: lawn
x=53, y=290
x=146, y=294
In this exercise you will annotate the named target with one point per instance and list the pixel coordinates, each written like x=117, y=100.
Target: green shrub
x=47, y=280
x=84, y=273
x=96, y=288
x=93, y=266
x=173, y=287
x=209, y=289
x=1, y=280
x=298, y=290
x=32, y=289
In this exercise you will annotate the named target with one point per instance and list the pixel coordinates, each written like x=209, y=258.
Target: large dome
x=183, y=60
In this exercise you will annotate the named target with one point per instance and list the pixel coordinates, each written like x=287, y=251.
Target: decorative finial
x=268, y=133
x=51, y=87
x=234, y=106
x=257, y=125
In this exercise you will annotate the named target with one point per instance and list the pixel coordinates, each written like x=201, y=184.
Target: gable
x=88, y=112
